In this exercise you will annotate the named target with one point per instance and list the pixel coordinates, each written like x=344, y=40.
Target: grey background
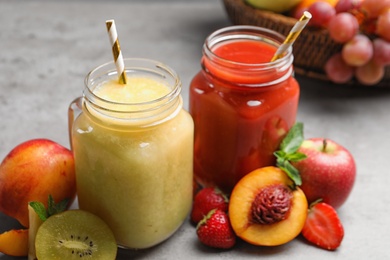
x=47, y=48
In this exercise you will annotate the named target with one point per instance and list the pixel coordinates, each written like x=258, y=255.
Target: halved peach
x=266, y=208
x=14, y=242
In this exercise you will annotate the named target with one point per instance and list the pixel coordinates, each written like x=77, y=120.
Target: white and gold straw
x=292, y=36
x=116, y=51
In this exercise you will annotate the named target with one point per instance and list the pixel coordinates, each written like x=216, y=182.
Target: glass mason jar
x=134, y=161
x=242, y=104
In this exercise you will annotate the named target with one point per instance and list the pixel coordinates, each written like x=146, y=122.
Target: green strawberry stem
x=288, y=153
x=220, y=192
x=205, y=218
x=315, y=202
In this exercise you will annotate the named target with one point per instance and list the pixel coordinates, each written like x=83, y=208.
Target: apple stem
x=324, y=143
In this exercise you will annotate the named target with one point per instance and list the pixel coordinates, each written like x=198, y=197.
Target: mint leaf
x=40, y=209
x=52, y=208
x=291, y=172
x=293, y=139
x=280, y=157
x=60, y=206
x=280, y=154
x=288, y=153
x=295, y=157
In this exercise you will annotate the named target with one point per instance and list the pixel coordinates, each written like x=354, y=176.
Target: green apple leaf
x=288, y=153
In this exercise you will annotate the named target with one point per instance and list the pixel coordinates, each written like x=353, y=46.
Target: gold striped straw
x=116, y=51
x=292, y=36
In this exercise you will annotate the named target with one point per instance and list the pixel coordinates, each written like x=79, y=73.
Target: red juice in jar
x=242, y=104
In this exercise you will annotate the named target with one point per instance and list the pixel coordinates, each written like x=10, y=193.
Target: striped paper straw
x=116, y=51
x=292, y=36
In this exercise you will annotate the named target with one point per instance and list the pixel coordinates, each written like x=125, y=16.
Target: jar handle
x=74, y=111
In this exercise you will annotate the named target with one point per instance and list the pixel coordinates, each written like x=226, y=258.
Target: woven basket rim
x=312, y=48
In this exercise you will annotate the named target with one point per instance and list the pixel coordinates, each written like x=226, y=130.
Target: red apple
x=32, y=171
x=328, y=172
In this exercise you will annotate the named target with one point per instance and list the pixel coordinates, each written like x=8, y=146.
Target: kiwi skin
x=75, y=234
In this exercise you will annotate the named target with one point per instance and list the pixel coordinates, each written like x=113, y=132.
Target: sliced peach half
x=14, y=242
x=266, y=209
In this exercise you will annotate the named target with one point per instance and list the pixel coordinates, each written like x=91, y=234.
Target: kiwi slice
x=75, y=234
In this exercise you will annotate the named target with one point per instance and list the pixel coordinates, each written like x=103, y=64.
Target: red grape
x=383, y=25
x=381, y=51
x=337, y=70
x=370, y=73
x=358, y=51
x=343, y=27
x=373, y=8
x=363, y=27
x=347, y=5
x=321, y=12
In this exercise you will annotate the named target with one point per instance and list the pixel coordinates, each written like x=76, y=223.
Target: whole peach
x=32, y=171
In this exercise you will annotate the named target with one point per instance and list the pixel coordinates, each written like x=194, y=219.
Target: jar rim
x=249, y=32
x=145, y=113
x=156, y=67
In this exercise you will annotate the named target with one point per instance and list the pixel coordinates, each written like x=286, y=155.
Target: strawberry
x=323, y=226
x=214, y=230
x=206, y=200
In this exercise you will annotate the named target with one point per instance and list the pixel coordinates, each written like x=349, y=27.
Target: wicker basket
x=312, y=48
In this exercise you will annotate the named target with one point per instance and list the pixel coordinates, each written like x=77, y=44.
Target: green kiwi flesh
x=75, y=234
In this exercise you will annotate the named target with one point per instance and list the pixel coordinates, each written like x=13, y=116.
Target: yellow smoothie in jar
x=137, y=178
x=137, y=90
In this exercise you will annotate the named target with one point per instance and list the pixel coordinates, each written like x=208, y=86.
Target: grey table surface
x=47, y=48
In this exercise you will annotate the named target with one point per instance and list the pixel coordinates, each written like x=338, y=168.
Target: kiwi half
x=75, y=234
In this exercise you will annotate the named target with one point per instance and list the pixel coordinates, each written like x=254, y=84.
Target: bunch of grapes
x=363, y=27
